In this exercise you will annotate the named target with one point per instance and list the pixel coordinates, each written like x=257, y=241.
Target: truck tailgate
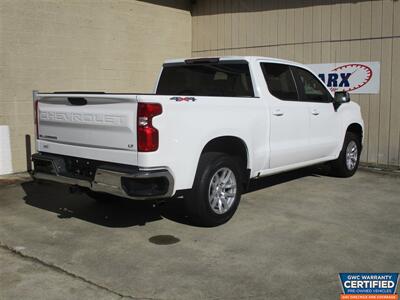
x=99, y=121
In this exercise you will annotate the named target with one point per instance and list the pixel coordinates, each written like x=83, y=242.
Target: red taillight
x=147, y=135
x=35, y=112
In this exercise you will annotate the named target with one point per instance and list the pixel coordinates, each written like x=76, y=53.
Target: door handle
x=278, y=112
x=315, y=112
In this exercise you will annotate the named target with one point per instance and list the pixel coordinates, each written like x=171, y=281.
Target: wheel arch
x=233, y=146
x=357, y=129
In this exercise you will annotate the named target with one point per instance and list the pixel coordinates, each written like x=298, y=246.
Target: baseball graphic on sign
x=353, y=77
x=358, y=74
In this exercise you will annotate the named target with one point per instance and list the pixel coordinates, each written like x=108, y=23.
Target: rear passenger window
x=280, y=81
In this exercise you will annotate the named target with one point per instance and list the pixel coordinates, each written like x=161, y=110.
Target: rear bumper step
x=120, y=180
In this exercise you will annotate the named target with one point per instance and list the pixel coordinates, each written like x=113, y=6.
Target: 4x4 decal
x=183, y=99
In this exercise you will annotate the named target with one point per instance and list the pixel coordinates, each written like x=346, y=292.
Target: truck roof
x=248, y=58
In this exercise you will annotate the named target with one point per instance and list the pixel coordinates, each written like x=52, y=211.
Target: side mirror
x=340, y=98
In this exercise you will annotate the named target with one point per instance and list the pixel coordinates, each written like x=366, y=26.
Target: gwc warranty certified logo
x=367, y=286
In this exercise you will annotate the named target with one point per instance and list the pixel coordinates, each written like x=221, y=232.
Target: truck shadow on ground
x=119, y=212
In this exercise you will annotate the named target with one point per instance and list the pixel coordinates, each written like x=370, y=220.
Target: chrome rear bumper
x=135, y=183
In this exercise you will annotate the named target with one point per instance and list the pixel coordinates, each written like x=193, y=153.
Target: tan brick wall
x=81, y=45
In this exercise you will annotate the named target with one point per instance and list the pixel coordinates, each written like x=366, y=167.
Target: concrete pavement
x=289, y=239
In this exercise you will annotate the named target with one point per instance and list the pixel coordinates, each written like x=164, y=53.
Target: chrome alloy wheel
x=222, y=190
x=351, y=155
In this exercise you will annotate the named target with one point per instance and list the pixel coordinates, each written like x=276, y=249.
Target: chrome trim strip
x=61, y=179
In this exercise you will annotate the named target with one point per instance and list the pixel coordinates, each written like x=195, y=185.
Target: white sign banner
x=354, y=77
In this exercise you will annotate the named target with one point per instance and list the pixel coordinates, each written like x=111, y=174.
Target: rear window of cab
x=223, y=79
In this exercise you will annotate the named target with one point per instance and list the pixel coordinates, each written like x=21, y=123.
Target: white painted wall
x=5, y=150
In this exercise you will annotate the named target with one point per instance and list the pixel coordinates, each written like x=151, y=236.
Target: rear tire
x=349, y=158
x=216, y=191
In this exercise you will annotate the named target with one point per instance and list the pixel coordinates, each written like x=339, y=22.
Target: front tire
x=349, y=158
x=216, y=191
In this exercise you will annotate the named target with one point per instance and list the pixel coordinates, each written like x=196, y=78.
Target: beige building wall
x=102, y=45
x=318, y=31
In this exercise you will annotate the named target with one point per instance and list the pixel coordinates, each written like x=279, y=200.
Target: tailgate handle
x=77, y=101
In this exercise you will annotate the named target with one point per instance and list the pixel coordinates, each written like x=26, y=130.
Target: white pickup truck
x=211, y=125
